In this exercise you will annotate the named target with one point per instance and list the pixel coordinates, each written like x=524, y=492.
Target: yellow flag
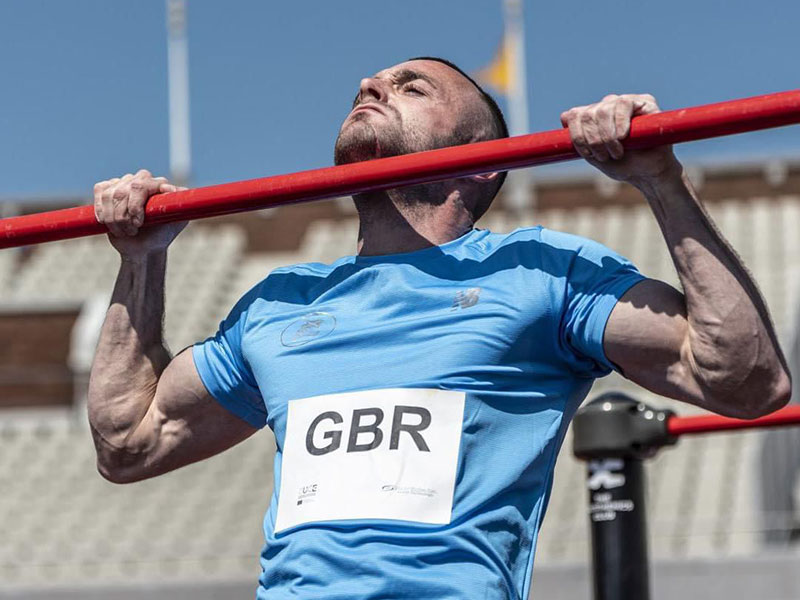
x=499, y=74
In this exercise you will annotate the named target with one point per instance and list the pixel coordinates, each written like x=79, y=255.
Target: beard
x=361, y=140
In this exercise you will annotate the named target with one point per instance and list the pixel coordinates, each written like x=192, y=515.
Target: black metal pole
x=619, y=529
x=615, y=433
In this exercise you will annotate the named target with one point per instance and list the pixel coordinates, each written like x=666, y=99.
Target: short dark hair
x=498, y=128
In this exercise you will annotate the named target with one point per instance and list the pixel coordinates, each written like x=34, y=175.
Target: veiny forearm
x=131, y=354
x=732, y=346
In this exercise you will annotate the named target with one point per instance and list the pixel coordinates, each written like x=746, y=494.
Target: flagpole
x=519, y=194
x=180, y=154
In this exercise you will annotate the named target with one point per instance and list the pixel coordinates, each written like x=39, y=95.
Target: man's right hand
x=119, y=204
x=149, y=413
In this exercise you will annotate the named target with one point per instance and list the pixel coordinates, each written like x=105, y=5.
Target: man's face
x=414, y=106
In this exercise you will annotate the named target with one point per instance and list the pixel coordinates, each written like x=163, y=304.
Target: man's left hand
x=597, y=132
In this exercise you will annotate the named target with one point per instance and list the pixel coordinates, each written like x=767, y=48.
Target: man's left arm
x=714, y=345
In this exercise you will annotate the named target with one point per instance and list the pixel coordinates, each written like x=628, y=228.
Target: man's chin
x=355, y=150
x=352, y=157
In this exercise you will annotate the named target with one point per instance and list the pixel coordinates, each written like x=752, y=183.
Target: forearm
x=731, y=343
x=131, y=354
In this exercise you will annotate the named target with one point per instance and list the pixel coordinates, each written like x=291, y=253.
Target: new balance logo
x=466, y=298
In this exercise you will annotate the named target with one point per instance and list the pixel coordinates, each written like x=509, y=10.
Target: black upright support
x=614, y=433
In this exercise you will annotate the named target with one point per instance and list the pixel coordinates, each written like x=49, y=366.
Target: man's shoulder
x=290, y=283
x=570, y=246
x=492, y=241
x=551, y=250
x=308, y=268
x=539, y=234
x=304, y=269
x=540, y=239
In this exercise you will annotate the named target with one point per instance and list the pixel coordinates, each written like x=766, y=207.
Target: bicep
x=184, y=423
x=646, y=337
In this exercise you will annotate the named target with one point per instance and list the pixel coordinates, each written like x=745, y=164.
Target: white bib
x=376, y=454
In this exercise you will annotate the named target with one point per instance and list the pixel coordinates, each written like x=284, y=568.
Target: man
x=419, y=391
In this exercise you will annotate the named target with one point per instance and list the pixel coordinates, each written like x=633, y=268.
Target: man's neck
x=390, y=224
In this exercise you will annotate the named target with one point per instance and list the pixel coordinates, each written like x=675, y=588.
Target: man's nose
x=373, y=89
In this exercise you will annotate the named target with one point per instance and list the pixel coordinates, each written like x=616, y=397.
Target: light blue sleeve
x=592, y=280
x=226, y=373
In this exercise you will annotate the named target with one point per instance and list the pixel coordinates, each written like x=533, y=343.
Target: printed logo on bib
x=376, y=454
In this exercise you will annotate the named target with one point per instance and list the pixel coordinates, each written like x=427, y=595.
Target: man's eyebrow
x=405, y=75
x=400, y=77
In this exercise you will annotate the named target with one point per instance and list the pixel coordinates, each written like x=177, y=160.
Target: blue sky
x=84, y=93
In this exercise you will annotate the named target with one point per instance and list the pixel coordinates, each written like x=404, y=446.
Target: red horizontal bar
x=710, y=423
x=683, y=125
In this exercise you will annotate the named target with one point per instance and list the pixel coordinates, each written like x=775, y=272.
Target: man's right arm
x=149, y=413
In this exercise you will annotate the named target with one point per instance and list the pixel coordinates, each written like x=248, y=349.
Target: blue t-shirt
x=418, y=401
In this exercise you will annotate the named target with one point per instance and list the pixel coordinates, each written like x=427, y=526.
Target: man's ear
x=485, y=178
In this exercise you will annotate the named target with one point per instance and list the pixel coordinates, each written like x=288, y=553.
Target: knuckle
x=138, y=186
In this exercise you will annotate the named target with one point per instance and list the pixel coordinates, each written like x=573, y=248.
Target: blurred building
x=724, y=501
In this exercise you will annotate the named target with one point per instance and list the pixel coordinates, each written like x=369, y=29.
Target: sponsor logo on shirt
x=466, y=298
x=308, y=328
